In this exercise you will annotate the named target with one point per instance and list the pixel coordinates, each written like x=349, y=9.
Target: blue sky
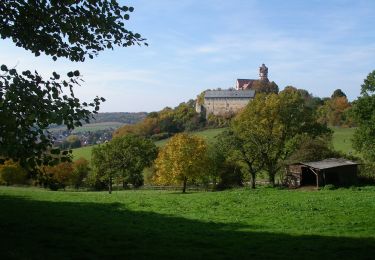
x=196, y=45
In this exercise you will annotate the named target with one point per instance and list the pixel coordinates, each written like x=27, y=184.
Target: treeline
x=121, y=117
x=163, y=124
x=332, y=111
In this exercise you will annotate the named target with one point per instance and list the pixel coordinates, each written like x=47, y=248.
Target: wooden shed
x=335, y=171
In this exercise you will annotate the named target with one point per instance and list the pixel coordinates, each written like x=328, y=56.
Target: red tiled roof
x=245, y=83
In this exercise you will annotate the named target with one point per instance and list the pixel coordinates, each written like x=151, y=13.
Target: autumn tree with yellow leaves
x=182, y=159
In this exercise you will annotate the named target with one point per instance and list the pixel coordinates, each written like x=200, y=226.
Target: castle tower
x=263, y=73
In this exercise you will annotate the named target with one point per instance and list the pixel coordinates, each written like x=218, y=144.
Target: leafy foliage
x=269, y=127
x=183, y=158
x=12, y=173
x=123, y=157
x=162, y=124
x=225, y=165
x=338, y=93
x=364, y=114
x=70, y=29
x=265, y=86
x=335, y=111
x=57, y=176
x=29, y=103
x=80, y=171
x=313, y=149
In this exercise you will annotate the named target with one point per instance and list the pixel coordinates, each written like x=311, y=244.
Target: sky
x=196, y=45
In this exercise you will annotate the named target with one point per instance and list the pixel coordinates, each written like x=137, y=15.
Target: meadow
x=235, y=224
x=90, y=127
x=208, y=135
x=341, y=141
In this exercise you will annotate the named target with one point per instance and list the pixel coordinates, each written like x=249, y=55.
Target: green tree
x=182, y=159
x=312, y=149
x=124, y=157
x=265, y=86
x=363, y=112
x=243, y=151
x=12, y=173
x=80, y=171
x=338, y=93
x=270, y=125
x=61, y=29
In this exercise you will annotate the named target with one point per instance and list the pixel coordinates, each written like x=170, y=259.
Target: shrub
x=96, y=180
x=366, y=173
x=329, y=187
x=160, y=136
x=80, y=171
x=12, y=173
x=230, y=176
x=58, y=176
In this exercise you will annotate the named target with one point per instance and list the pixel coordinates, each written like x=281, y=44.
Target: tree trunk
x=272, y=178
x=252, y=180
x=214, y=183
x=184, y=188
x=110, y=185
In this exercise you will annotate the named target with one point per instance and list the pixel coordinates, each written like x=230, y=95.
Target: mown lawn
x=236, y=224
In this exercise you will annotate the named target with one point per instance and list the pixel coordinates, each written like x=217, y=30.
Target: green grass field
x=91, y=127
x=209, y=135
x=341, y=141
x=237, y=224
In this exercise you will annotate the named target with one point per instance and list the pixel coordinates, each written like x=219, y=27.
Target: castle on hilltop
x=229, y=101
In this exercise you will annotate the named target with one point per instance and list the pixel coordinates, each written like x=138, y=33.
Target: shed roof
x=329, y=163
x=229, y=94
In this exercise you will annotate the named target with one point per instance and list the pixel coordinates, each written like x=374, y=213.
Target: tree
x=312, y=149
x=243, y=151
x=102, y=173
x=80, y=171
x=57, y=176
x=265, y=86
x=124, y=157
x=28, y=103
x=334, y=111
x=338, y=93
x=12, y=173
x=364, y=114
x=269, y=126
x=182, y=159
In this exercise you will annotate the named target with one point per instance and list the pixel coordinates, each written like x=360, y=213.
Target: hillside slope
x=341, y=141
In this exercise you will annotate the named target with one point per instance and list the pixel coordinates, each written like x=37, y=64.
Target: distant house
x=223, y=102
x=335, y=171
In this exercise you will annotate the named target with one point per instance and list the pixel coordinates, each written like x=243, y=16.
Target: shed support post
x=317, y=178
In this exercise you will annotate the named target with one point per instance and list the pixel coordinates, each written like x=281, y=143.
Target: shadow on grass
x=62, y=230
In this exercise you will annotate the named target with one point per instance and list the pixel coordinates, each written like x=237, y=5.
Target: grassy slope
x=91, y=127
x=209, y=135
x=237, y=224
x=342, y=139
